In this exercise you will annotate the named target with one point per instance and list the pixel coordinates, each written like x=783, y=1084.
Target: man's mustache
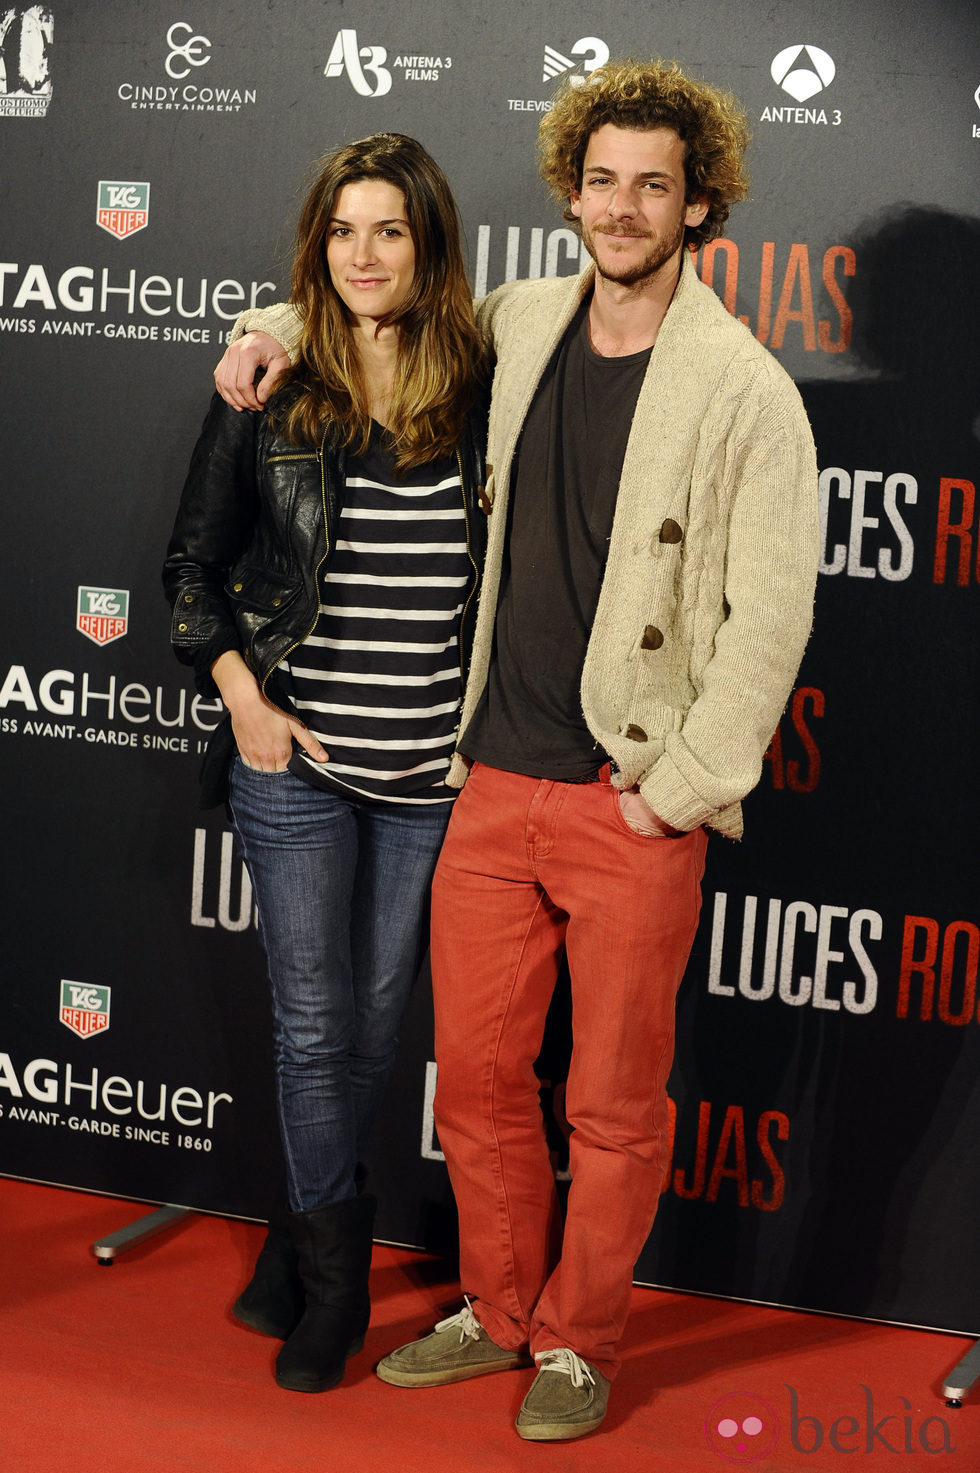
x=621, y=230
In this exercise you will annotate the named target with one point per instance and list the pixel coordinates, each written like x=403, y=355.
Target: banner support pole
x=962, y=1378
x=107, y=1249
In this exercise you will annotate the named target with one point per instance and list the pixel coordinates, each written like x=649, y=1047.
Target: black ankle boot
x=274, y=1300
x=333, y=1245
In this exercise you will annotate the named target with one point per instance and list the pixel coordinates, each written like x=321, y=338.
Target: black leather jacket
x=253, y=531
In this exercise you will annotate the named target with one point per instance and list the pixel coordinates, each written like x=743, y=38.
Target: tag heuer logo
x=103, y=613
x=124, y=207
x=84, y=1009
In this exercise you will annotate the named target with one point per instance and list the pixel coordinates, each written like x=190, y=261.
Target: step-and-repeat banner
x=825, y=1091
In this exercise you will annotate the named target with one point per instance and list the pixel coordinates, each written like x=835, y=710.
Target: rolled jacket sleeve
x=214, y=522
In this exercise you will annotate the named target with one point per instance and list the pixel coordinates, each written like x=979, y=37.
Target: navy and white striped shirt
x=378, y=680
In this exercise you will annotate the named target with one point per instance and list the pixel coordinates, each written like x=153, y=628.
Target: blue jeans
x=342, y=891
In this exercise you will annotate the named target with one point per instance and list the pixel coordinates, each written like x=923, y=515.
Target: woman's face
x=370, y=251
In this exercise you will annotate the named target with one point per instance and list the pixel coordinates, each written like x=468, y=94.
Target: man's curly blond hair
x=651, y=94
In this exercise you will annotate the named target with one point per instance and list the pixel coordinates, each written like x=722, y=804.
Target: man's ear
x=696, y=210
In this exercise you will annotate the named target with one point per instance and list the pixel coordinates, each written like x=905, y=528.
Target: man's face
x=632, y=202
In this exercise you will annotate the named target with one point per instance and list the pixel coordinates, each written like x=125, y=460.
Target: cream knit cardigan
x=707, y=597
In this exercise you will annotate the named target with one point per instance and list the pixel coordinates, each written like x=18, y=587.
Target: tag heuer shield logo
x=84, y=1009
x=124, y=207
x=103, y=613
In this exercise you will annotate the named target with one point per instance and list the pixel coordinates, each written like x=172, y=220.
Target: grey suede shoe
x=567, y=1399
x=458, y=1349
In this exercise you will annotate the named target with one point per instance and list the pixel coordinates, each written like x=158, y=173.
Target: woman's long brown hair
x=440, y=355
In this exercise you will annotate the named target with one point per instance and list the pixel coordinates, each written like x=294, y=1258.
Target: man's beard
x=661, y=249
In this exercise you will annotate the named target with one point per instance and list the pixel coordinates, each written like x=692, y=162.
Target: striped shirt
x=378, y=680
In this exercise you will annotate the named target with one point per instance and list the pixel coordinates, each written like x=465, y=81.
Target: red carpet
x=139, y=1368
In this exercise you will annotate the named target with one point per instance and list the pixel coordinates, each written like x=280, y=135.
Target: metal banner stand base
x=107, y=1249
x=962, y=1379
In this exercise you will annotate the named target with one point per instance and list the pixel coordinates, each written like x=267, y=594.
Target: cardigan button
x=486, y=505
x=636, y=733
x=670, y=531
x=652, y=638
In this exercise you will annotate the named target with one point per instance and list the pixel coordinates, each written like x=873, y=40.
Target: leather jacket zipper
x=317, y=455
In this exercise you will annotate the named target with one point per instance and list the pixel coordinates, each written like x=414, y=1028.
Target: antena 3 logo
x=803, y=71
x=84, y=1009
x=367, y=67
x=347, y=57
x=124, y=207
x=26, y=36
x=102, y=614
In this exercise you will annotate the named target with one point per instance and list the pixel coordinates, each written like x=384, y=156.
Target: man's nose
x=623, y=202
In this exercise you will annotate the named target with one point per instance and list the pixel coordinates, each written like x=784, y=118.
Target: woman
x=322, y=571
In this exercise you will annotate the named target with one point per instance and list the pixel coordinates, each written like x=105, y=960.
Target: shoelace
x=467, y=1323
x=568, y=1363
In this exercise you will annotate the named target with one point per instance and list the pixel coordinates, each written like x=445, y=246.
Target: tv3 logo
x=359, y=64
x=593, y=52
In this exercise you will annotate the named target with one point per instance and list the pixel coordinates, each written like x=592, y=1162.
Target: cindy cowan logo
x=186, y=50
x=85, y=1009
x=102, y=614
x=583, y=57
x=124, y=207
x=26, y=36
x=803, y=71
x=185, y=53
x=369, y=71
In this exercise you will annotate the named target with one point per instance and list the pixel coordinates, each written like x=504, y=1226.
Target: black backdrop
x=825, y=1086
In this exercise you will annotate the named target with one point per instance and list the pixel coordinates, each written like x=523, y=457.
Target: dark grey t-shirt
x=563, y=496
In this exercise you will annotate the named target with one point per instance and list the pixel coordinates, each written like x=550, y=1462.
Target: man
x=648, y=593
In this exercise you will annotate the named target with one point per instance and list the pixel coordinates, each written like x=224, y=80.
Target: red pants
x=530, y=866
